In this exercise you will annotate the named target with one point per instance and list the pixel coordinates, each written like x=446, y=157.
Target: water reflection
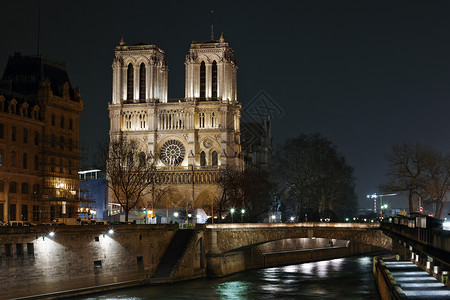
x=348, y=278
x=233, y=290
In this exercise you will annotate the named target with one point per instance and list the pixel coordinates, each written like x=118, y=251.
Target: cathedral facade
x=190, y=139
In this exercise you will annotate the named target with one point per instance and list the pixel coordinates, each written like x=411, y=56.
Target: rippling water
x=345, y=278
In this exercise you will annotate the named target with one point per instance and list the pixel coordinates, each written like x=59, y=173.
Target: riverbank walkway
x=415, y=282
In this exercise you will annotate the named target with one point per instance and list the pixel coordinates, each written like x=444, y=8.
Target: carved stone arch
x=24, y=109
x=12, y=107
x=205, y=199
x=202, y=57
x=35, y=112
x=214, y=57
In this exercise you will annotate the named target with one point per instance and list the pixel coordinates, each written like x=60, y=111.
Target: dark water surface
x=344, y=278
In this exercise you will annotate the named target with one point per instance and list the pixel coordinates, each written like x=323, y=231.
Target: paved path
x=415, y=282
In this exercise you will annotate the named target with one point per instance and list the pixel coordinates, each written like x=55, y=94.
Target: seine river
x=344, y=278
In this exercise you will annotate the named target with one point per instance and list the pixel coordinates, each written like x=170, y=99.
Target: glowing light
x=292, y=219
x=110, y=232
x=274, y=217
x=175, y=215
x=446, y=225
x=232, y=210
x=51, y=233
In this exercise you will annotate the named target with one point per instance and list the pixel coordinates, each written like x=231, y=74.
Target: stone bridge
x=228, y=237
x=231, y=248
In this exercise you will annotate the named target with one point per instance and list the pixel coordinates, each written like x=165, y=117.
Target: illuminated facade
x=39, y=117
x=191, y=138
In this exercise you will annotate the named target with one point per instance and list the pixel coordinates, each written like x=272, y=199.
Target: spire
x=212, y=25
x=222, y=38
x=122, y=42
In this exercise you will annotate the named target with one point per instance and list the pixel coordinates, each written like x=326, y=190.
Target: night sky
x=365, y=74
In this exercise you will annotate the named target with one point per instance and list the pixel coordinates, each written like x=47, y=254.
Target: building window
x=215, y=158
x=202, y=80
x=53, y=119
x=70, y=124
x=202, y=120
x=36, y=162
x=36, y=189
x=142, y=121
x=12, y=187
x=214, y=79
x=70, y=167
x=61, y=143
x=53, y=140
x=36, y=138
x=35, y=212
x=60, y=165
x=70, y=144
x=30, y=247
x=214, y=120
x=203, y=159
x=24, y=212
x=24, y=188
x=62, y=122
x=12, y=212
x=13, y=159
x=1, y=131
x=25, y=136
x=1, y=157
x=52, y=167
x=130, y=82
x=2, y=190
x=13, y=133
x=25, y=161
x=128, y=122
x=142, y=81
x=8, y=250
x=19, y=249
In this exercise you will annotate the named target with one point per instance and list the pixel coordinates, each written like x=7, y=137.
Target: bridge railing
x=291, y=225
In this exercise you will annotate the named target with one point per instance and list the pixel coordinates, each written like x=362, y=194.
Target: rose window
x=172, y=153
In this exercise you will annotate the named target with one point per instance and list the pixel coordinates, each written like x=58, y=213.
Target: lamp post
x=242, y=215
x=232, y=212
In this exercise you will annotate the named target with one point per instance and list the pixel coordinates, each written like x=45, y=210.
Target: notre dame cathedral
x=191, y=138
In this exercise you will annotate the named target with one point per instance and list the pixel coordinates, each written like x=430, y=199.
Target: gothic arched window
x=215, y=160
x=142, y=159
x=202, y=120
x=203, y=159
x=130, y=82
x=202, y=80
x=214, y=79
x=142, y=81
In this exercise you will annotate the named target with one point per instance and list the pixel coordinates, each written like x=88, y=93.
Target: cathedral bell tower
x=139, y=74
x=211, y=71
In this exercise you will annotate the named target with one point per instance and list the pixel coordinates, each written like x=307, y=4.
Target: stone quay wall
x=33, y=263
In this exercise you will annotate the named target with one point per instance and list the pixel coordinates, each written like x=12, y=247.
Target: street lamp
x=232, y=212
x=242, y=215
x=292, y=219
x=273, y=218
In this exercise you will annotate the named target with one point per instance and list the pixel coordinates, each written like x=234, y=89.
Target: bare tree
x=130, y=171
x=232, y=184
x=314, y=175
x=407, y=165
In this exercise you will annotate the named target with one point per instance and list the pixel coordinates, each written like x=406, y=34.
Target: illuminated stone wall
x=32, y=262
